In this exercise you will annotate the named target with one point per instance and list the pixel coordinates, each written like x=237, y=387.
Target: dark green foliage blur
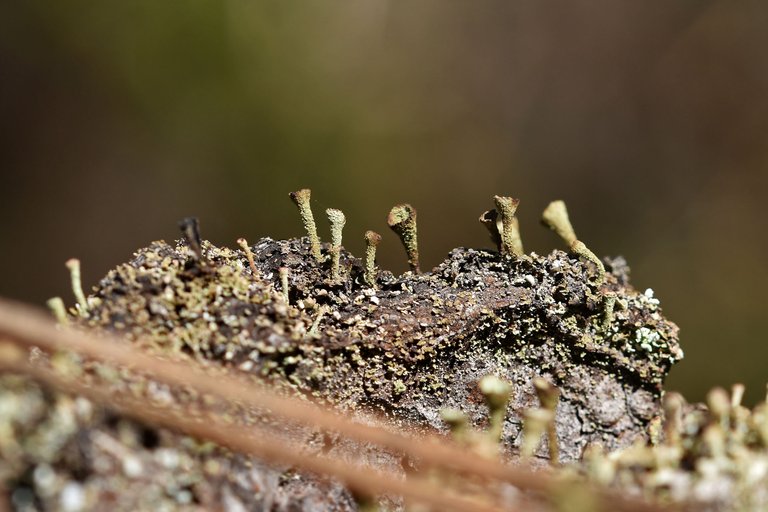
x=650, y=119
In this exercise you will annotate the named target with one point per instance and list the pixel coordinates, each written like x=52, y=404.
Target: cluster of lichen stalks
x=697, y=448
x=712, y=457
x=502, y=225
x=503, y=229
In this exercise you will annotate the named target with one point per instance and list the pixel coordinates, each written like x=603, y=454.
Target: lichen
x=411, y=347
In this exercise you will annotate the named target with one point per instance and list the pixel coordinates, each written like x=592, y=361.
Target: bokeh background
x=649, y=118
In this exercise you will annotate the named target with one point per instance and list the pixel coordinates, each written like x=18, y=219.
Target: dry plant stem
x=73, y=265
x=257, y=442
x=27, y=326
x=301, y=198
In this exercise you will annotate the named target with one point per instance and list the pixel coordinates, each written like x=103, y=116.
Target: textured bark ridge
x=415, y=344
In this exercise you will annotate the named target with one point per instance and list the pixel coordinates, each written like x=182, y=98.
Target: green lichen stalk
x=497, y=394
x=555, y=217
x=511, y=243
x=73, y=265
x=549, y=396
x=372, y=240
x=580, y=249
x=243, y=243
x=402, y=220
x=337, y=220
x=302, y=200
x=59, y=310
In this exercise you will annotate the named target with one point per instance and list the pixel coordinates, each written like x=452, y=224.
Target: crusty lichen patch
x=413, y=344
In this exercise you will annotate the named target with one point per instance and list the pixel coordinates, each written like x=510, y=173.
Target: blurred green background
x=649, y=118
